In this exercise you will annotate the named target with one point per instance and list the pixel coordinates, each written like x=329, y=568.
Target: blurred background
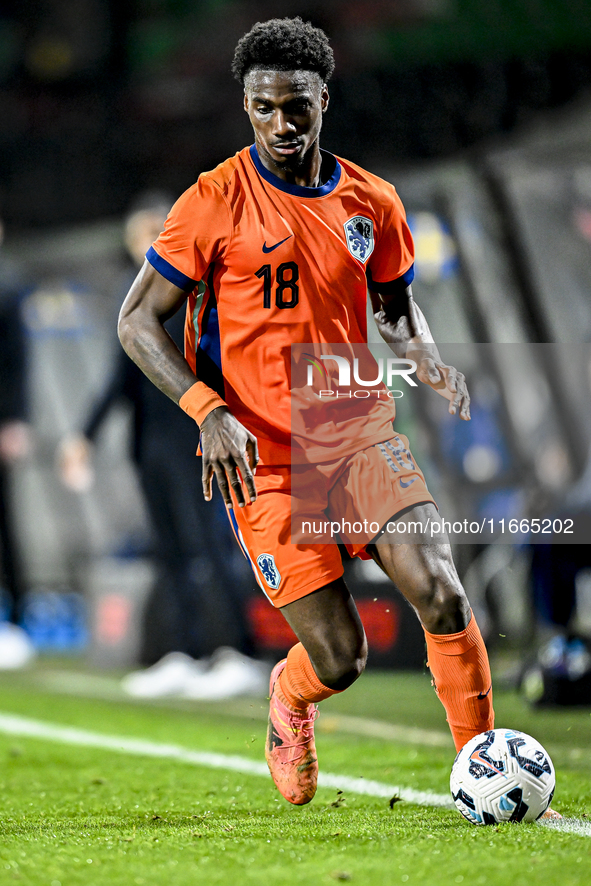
x=480, y=112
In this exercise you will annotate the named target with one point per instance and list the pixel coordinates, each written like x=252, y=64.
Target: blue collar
x=298, y=190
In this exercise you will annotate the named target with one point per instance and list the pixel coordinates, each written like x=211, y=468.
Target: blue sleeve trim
x=391, y=287
x=169, y=272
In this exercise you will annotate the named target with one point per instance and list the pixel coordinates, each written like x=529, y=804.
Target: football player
x=276, y=246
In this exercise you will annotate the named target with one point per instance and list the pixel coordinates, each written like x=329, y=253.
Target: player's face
x=285, y=109
x=141, y=229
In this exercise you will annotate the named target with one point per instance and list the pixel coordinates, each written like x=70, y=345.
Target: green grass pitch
x=73, y=815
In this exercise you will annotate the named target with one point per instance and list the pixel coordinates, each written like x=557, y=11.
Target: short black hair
x=283, y=44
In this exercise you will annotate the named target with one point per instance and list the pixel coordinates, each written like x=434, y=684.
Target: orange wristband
x=199, y=401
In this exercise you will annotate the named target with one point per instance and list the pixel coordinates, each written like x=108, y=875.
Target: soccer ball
x=502, y=775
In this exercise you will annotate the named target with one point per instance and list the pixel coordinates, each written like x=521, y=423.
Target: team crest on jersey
x=359, y=234
x=266, y=563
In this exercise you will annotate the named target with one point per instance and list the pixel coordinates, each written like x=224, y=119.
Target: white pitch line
x=13, y=724
x=569, y=826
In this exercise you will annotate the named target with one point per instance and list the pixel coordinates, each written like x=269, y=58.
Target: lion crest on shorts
x=266, y=563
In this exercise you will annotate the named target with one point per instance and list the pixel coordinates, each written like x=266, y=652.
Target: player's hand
x=228, y=448
x=75, y=463
x=447, y=381
x=16, y=441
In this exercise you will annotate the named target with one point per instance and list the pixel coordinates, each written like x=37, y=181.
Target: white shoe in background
x=230, y=674
x=16, y=648
x=167, y=678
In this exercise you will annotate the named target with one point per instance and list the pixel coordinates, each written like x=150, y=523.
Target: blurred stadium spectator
x=16, y=648
x=561, y=586
x=187, y=535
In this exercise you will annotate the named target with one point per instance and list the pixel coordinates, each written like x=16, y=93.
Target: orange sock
x=298, y=686
x=461, y=676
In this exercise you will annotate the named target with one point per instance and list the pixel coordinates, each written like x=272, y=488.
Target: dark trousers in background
x=554, y=571
x=10, y=568
x=198, y=600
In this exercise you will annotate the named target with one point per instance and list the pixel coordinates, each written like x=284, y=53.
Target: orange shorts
x=290, y=534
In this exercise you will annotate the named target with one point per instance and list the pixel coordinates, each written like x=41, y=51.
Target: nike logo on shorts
x=482, y=695
x=271, y=248
x=406, y=485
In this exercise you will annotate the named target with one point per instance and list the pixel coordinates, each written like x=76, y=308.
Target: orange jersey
x=269, y=264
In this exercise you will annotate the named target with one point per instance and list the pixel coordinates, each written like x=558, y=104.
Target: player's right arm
x=227, y=446
x=402, y=324
x=399, y=319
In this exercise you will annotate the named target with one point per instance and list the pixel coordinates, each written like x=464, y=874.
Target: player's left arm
x=402, y=324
